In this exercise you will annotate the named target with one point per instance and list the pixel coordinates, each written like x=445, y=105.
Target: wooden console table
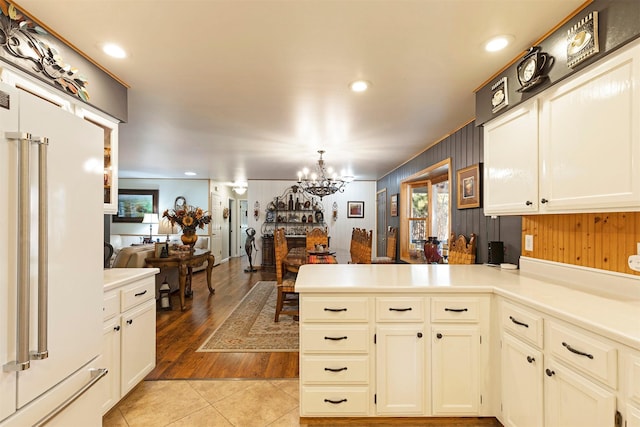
x=185, y=262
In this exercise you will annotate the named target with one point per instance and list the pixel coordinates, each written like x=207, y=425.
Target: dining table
x=299, y=256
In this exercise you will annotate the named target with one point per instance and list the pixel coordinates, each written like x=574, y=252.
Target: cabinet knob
x=529, y=203
x=419, y=334
x=116, y=328
x=530, y=359
x=549, y=372
x=543, y=201
x=439, y=335
x=130, y=321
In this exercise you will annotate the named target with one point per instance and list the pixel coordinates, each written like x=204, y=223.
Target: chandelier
x=322, y=183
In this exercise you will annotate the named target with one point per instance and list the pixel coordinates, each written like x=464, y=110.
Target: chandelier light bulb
x=322, y=183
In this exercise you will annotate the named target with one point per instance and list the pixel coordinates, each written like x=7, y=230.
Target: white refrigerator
x=51, y=278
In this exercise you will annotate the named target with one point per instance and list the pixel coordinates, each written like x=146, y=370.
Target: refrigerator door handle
x=43, y=250
x=96, y=375
x=23, y=251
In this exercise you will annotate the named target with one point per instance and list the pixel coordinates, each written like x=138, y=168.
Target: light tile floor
x=219, y=403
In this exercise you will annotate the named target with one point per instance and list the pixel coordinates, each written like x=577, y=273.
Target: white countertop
x=116, y=277
x=614, y=316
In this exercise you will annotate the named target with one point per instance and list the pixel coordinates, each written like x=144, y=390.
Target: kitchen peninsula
x=440, y=340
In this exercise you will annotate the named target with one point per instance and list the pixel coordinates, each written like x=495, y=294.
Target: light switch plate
x=528, y=242
x=634, y=262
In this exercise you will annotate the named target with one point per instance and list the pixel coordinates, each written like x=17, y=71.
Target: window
x=424, y=211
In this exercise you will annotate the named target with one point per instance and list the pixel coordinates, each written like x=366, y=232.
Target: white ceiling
x=237, y=89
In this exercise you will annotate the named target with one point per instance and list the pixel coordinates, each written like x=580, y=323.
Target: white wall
x=339, y=230
x=195, y=191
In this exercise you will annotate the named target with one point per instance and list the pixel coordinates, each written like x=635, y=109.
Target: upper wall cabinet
x=588, y=145
x=511, y=162
x=110, y=132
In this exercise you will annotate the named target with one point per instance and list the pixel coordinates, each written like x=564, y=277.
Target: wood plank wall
x=465, y=148
x=597, y=240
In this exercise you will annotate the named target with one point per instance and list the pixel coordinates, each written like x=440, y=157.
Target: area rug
x=250, y=327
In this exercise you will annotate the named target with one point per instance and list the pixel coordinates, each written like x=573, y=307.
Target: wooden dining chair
x=390, y=256
x=317, y=236
x=287, y=301
x=461, y=252
x=361, y=241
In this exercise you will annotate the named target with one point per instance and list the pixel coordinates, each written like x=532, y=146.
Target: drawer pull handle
x=335, y=338
x=335, y=369
x=549, y=372
x=335, y=309
x=578, y=352
x=531, y=359
x=400, y=309
x=335, y=402
x=518, y=322
x=140, y=293
x=456, y=310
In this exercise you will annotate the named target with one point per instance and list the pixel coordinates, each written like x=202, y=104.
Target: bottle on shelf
x=297, y=204
x=290, y=202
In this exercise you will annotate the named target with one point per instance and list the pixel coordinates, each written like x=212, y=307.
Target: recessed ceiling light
x=360, y=85
x=498, y=43
x=114, y=50
x=188, y=173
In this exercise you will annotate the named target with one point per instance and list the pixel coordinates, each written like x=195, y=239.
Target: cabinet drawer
x=400, y=309
x=338, y=401
x=332, y=309
x=334, y=339
x=110, y=305
x=522, y=323
x=137, y=293
x=451, y=310
x=594, y=357
x=335, y=370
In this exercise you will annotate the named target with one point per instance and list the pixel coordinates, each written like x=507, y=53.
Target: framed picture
x=133, y=204
x=469, y=187
x=355, y=209
x=394, y=204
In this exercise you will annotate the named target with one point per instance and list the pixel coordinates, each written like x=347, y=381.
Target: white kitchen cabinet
x=570, y=132
x=522, y=366
x=335, y=361
x=456, y=354
x=631, y=386
x=511, y=162
x=573, y=400
x=129, y=338
x=522, y=384
x=400, y=356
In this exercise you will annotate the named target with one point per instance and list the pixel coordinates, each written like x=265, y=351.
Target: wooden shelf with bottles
x=295, y=211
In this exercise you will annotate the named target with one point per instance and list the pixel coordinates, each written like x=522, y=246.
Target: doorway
x=381, y=223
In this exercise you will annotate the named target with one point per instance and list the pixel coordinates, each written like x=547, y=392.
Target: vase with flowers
x=189, y=219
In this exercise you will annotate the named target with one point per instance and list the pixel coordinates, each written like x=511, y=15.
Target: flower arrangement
x=188, y=218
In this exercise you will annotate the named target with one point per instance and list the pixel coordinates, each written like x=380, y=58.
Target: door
x=75, y=220
x=400, y=370
x=456, y=352
x=522, y=379
x=381, y=223
x=216, y=227
x=244, y=224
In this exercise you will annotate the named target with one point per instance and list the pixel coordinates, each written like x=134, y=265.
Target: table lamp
x=165, y=227
x=150, y=218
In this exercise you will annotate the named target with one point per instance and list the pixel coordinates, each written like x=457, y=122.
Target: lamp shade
x=150, y=218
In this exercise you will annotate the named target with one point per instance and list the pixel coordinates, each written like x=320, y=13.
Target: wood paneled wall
x=597, y=240
x=465, y=148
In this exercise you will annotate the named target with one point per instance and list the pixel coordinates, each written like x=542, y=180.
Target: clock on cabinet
x=531, y=70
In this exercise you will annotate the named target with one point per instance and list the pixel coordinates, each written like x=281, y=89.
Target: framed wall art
x=394, y=204
x=355, y=209
x=133, y=204
x=582, y=40
x=468, y=182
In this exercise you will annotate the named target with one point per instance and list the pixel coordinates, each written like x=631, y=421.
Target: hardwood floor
x=180, y=334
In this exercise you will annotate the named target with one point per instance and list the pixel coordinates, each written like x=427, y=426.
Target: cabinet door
x=454, y=369
x=633, y=417
x=522, y=384
x=400, y=369
x=110, y=385
x=511, y=162
x=138, y=345
x=590, y=139
x=572, y=400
